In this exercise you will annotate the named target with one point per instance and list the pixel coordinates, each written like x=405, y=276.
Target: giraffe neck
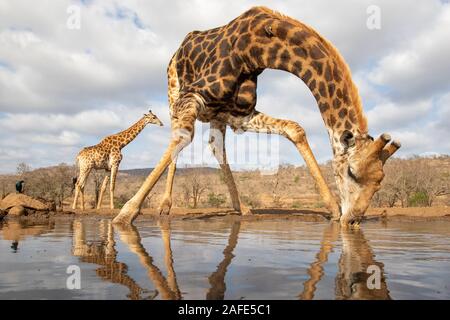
x=298, y=49
x=128, y=135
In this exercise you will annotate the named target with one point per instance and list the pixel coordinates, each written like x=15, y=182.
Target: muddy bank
x=413, y=214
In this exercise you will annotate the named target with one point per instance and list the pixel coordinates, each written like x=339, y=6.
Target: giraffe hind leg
x=217, y=146
x=79, y=187
x=295, y=133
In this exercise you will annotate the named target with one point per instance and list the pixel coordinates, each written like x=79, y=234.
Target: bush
x=216, y=200
x=418, y=199
x=252, y=202
x=296, y=205
x=119, y=201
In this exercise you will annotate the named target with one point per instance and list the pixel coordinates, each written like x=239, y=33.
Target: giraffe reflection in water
x=352, y=277
x=350, y=283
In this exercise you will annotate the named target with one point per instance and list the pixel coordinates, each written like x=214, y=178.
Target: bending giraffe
x=107, y=155
x=213, y=78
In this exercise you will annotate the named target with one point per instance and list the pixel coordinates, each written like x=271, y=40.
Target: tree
x=193, y=188
x=22, y=169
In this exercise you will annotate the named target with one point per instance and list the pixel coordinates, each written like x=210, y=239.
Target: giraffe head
x=150, y=118
x=359, y=171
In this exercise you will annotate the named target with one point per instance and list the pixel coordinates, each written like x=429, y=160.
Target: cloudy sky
x=62, y=88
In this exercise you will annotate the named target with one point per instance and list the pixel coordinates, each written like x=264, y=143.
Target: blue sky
x=62, y=89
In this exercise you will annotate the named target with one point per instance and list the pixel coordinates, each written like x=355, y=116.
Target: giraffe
x=213, y=78
x=107, y=155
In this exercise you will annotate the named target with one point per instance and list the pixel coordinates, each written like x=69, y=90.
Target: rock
x=18, y=199
x=17, y=211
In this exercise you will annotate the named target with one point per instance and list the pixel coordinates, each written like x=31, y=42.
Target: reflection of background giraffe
x=352, y=276
x=213, y=78
x=105, y=255
x=107, y=156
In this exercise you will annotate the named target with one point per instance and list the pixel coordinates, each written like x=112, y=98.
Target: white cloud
x=419, y=68
x=62, y=89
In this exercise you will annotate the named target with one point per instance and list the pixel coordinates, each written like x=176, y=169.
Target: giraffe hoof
x=353, y=223
x=245, y=211
x=164, y=207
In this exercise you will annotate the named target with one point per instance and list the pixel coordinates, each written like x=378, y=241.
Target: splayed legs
x=294, y=132
x=217, y=145
x=182, y=134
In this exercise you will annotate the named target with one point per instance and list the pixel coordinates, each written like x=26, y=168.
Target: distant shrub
x=216, y=200
x=319, y=204
x=296, y=205
x=418, y=199
x=252, y=202
x=120, y=200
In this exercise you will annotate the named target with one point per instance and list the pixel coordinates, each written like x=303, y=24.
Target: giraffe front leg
x=166, y=203
x=182, y=134
x=75, y=198
x=102, y=191
x=112, y=186
x=217, y=146
x=295, y=133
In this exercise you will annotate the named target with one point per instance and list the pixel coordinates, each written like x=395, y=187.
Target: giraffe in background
x=213, y=78
x=107, y=155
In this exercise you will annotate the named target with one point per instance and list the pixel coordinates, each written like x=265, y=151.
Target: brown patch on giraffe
x=322, y=89
x=312, y=85
x=297, y=67
x=299, y=37
x=337, y=103
x=352, y=116
x=324, y=106
x=243, y=42
x=257, y=53
x=307, y=76
x=226, y=68
x=300, y=52
x=337, y=74
x=318, y=66
x=331, y=88
x=195, y=52
x=215, y=88
x=328, y=74
x=316, y=53
x=283, y=28
x=332, y=121
x=343, y=113
x=273, y=51
x=348, y=125
x=200, y=60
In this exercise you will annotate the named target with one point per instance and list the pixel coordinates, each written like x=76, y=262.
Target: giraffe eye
x=351, y=174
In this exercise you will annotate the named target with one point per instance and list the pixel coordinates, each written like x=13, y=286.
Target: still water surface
x=216, y=259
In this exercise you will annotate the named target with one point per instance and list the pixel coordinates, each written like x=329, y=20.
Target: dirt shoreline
x=314, y=215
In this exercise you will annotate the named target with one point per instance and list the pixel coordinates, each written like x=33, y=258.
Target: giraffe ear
x=347, y=139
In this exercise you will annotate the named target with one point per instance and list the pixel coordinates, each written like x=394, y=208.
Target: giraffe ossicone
x=212, y=78
x=107, y=156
